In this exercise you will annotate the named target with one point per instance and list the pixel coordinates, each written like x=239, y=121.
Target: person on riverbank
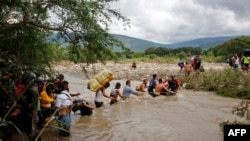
x=236, y=62
x=181, y=65
x=197, y=63
x=152, y=85
x=100, y=94
x=134, y=65
x=245, y=61
x=128, y=90
x=187, y=68
x=115, y=93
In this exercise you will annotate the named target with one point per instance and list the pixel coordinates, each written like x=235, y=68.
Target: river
x=188, y=116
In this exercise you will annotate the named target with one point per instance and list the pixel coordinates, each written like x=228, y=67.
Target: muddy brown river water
x=188, y=116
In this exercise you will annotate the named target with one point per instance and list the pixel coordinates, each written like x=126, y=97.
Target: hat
x=60, y=76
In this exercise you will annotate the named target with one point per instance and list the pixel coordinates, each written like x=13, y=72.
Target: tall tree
x=24, y=47
x=84, y=23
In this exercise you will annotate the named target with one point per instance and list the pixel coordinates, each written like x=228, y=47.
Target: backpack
x=138, y=87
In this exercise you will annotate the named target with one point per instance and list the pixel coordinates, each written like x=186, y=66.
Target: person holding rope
x=161, y=89
x=115, y=93
x=152, y=85
x=47, y=100
x=64, y=104
x=85, y=107
x=142, y=87
x=127, y=90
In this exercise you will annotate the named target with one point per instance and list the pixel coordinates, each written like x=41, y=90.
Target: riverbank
x=123, y=70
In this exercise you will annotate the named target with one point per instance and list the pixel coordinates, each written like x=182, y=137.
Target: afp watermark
x=236, y=132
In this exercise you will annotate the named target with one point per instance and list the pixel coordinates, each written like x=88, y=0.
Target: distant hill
x=204, y=43
x=136, y=44
x=140, y=45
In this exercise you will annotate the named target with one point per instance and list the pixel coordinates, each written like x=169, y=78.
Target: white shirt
x=63, y=99
x=99, y=96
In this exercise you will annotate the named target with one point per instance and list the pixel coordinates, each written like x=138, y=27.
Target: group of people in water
x=47, y=98
x=54, y=95
x=154, y=87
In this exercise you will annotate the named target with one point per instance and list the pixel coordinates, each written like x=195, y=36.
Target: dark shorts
x=98, y=104
x=236, y=66
x=112, y=102
x=153, y=94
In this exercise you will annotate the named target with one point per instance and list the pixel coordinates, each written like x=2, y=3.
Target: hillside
x=136, y=44
x=140, y=45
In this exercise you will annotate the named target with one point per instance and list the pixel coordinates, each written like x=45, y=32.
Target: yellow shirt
x=46, y=100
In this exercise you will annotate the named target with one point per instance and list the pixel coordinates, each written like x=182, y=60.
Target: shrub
x=226, y=83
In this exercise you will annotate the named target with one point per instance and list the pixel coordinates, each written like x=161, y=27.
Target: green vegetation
x=25, y=24
x=218, y=53
x=227, y=82
x=25, y=49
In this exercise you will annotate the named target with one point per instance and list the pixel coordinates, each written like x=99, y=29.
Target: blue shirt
x=152, y=85
x=127, y=90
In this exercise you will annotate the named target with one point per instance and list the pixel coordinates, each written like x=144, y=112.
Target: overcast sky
x=170, y=21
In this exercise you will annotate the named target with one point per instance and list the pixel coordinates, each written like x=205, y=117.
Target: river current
x=188, y=116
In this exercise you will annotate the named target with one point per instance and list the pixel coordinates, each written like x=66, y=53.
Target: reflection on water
x=189, y=116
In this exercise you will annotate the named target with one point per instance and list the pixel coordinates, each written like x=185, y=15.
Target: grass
x=227, y=82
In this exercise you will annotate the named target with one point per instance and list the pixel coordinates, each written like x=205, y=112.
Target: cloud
x=179, y=20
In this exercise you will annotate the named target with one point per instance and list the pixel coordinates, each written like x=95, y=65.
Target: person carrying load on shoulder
x=64, y=104
x=100, y=93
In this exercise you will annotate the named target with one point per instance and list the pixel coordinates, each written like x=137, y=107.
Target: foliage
x=181, y=52
x=24, y=48
x=229, y=48
x=84, y=24
x=228, y=82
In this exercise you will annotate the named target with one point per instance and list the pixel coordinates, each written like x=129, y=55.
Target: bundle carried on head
x=100, y=80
